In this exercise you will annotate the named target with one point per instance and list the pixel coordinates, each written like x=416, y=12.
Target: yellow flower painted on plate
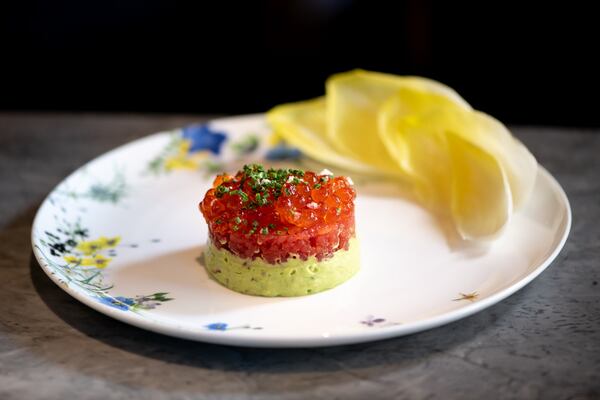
x=93, y=246
x=98, y=261
x=179, y=162
x=108, y=242
x=184, y=147
x=71, y=259
x=89, y=247
x=183, y=159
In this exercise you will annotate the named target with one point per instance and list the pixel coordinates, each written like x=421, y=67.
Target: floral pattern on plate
x=222, y=326
x=77, y=260
x=372, y=321
x=190, y=148
x=200, y=147
x=467, y=296
x=147, y=302
x=112, y=191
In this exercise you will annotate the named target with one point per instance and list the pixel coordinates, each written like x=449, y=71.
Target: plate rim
x=266, y=340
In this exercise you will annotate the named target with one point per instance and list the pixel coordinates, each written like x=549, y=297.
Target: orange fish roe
x=280, y=213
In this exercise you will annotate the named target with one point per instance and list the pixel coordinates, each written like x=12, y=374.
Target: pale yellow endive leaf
x=481, y=203
x=353, y=102
x=302, y=125
x=458, y=162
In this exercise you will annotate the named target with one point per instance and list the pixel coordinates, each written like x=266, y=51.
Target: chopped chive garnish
x=266, y=185
x=221, y=190
x=240, y=193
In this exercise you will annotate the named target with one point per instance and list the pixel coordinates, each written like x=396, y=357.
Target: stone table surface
x=543, y=342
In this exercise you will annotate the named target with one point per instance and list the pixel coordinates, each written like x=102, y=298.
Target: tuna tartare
x=280, y=232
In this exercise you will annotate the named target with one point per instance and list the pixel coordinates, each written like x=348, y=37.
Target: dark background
x=525, y=64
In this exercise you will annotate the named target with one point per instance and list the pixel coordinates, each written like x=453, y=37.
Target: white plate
x=134, y=212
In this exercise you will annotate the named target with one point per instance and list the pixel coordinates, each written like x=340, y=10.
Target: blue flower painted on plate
x=217, y=326
x=283, y=152
x=126, y=300
x=202, y=137
x=222, y=326
x=120, y=303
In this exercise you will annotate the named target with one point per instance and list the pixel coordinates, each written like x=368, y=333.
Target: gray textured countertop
x=543, y=342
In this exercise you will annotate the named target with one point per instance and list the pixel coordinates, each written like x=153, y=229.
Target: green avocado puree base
x=293, y=277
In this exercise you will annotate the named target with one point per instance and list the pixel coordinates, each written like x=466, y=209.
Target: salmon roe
x=280, y=213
